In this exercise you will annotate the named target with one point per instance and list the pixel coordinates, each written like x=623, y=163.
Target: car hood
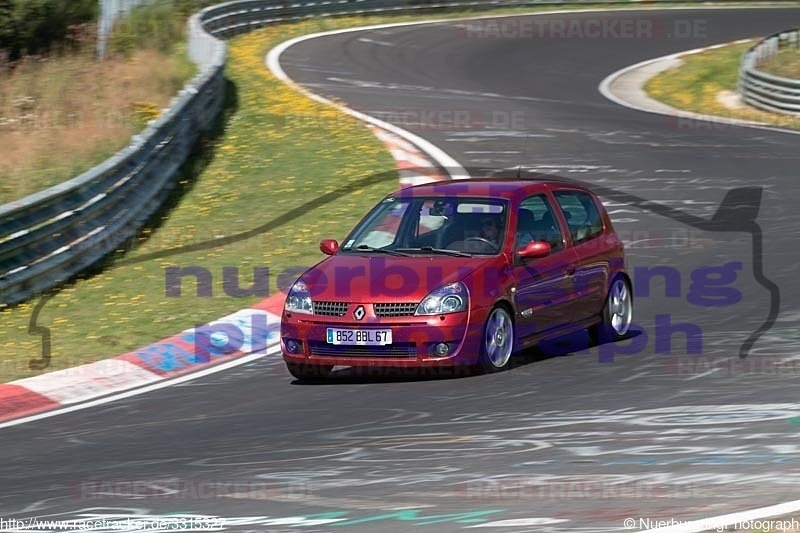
x=369, y=277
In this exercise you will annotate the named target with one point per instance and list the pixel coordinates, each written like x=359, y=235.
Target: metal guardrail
x=52, y=236
x=766, y=91
x=233, y=18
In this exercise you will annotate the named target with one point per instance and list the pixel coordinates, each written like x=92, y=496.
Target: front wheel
x=498, y=340
x=617, y=313
x=308, y=372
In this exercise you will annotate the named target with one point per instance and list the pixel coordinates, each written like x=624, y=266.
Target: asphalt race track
x=665, y=425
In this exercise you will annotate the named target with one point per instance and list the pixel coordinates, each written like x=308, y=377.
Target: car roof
x=490, y=187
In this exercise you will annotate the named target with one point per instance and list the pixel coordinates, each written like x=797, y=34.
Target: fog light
x=442, y=349
x=292, y=346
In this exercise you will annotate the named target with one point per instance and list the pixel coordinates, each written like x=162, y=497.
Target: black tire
x=309, y=372
x=617, y=315
x=497, y=341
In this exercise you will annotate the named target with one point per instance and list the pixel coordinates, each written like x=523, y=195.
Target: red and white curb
x=413, y=166
x=129, y=371
x=179, y=354
x=258, y=331
x=410, y=149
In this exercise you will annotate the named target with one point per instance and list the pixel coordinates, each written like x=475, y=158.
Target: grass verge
x=786, y=63
x=278, y=153
x=703, y=80
x=61, y=115
x=285, y=173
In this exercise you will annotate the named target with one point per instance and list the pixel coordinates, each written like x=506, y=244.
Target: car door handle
x=570, y=270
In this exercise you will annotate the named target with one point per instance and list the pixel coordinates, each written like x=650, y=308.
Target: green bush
x=29, y=27
x=160, y=25
x=37, y=26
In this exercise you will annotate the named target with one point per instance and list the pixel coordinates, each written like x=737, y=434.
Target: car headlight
x=450, y=298
x=299, y=299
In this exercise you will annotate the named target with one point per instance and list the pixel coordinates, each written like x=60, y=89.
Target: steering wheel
x=485, y=241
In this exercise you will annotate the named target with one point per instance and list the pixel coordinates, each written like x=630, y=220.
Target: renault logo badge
x=359, y=312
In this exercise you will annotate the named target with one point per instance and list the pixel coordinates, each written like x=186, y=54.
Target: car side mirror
x=329, y=246
x=535, y=250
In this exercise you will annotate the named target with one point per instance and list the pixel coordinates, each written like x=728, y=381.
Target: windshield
x=450, y=226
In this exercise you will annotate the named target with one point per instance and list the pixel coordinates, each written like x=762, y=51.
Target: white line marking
x=454, y=169
x=273, y=64
x=520, y=522
x=665, y=110
x=704, y=374
x=402, y=155
x=487, y=152
x=156, y=386
x=635, y=376
x=449, y=164
x=718, y=522
x=373, y=41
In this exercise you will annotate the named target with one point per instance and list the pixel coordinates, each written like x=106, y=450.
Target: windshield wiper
x=432, y=250
x=367, y=248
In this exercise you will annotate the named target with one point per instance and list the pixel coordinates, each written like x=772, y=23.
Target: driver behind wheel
x=490, y=230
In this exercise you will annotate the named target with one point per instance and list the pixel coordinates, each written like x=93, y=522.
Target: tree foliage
x=158, y=25
x=36, y=26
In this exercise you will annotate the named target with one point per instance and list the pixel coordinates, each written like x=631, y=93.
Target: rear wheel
x=309, y=372
x=617, y=313
x=497, y=344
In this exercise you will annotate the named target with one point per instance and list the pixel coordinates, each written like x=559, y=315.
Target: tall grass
x=63, y=113
x=786, y=63
x=701, y=82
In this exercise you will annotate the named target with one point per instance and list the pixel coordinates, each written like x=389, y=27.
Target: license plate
x=360, y=337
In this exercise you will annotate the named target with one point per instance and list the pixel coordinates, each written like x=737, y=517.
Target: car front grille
x=382, y=310
x=330, y=308
x=395, y=310
x=400, y=349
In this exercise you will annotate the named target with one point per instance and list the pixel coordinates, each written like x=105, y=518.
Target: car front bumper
x=414, y=340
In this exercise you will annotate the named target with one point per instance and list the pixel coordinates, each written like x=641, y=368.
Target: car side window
x=536, y=222
x=583, y=217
